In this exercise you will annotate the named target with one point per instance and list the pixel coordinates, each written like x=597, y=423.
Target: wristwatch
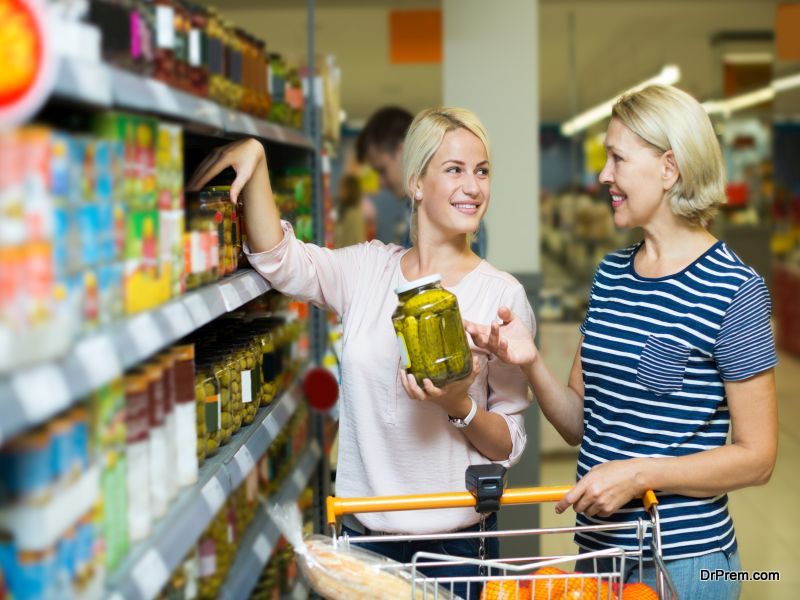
x=461, y=423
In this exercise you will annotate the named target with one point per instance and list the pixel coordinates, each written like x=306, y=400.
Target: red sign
x=26, y=65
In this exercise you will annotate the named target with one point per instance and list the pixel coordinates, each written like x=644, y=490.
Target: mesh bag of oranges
x=551, y=583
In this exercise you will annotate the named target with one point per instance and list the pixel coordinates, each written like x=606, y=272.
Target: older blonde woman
x=397, y=435
x=676, y=350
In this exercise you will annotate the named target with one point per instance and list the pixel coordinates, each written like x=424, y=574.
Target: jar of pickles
x=209, y=396
x=164, y=60
x=225, y=369
x=201, y=243
x=250, y=379
x=233, y=65
x=215, y=52
x=430, y=332
x=198, y=57
x=226, y=216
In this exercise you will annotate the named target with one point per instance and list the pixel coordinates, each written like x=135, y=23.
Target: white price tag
x=247, y=387
x=244, y=458
x=251, y=285
x=178, y=318
x=150, y=574
x=98, y=359
x=165, y=98
x=271, y=426
x=249, y=125
x=42, y=391
x=299, y=479
x=197, y=309
x=230, y=296
x=90, y=82
x=145, y=334
x=261, y=548
x=214, y=494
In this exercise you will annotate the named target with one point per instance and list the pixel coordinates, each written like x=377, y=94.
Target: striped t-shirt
x=655, y=356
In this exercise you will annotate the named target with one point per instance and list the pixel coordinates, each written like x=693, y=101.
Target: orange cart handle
x=337, y=507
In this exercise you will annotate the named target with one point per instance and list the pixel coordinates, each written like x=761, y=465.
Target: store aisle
x=765, y=525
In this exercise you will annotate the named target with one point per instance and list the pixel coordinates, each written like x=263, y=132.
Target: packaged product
x=186, y=416
x=430, y=332
x=137, y=421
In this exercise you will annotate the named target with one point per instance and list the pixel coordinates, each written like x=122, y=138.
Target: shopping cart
x=516, y=578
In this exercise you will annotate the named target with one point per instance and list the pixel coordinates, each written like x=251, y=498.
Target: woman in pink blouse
x=397, y=435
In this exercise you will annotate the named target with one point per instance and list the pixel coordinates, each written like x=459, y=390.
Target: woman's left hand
x=452, y=397
x=605, y=489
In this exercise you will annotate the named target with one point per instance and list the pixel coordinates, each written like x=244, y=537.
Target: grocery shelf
x=258, y=542
x=149, y=563
x=100, y=84
x=32, y=395
x=37, y=526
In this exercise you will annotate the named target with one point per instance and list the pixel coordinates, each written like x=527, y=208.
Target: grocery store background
x=133, y=337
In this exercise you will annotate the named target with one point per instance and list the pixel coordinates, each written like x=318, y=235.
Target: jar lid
x=427, y=280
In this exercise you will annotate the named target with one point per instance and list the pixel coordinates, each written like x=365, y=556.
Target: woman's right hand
x=244, y=156
x=510, y=340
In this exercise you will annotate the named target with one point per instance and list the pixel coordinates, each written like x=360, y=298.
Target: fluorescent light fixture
x=747, y=58
x=759, y=96
x=669, y=75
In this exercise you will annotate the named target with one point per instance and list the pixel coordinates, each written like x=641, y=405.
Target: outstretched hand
x=244, y=156
x=510, y=340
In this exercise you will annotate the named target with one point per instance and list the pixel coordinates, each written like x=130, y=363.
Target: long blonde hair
x=423, y=139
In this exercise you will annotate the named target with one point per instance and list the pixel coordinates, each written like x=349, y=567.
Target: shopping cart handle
x=337, y=507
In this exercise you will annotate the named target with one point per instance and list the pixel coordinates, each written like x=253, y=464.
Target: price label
x=166, y=99
x=244, y=458
x=145, y=334
x=42, y=391
x=271, y=426
x=299, y=479
x=214, y=494
x=178, y=318
x=230, y=296
x=248, y=125
x=251, y=285
x=261, y=548
x=198, y=309
x=150, y=574
x=92, y=80
x=98, y=359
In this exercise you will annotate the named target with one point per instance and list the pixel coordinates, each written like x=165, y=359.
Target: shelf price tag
x=166, y=99
x=299, y=478
x=230, y=296
x=261, y=548
x=145, y=334
x=98, y=359
x=244, y=458
x=42, y=391
x=150, y=574
x=197, y=309
x=178, y=318
x=254, y=285
x=214, y=495
x=271, y=426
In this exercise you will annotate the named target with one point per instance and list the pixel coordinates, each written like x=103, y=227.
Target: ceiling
x=615, y=44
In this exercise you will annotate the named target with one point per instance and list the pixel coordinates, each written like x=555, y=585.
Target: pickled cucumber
x=455, y=341
x=432, y=348
x=431, y=300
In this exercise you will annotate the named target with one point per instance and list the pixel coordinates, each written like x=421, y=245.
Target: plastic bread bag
x=345, y=572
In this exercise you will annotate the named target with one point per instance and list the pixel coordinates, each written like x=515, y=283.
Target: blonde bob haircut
x=666, y=118
x=423, y=139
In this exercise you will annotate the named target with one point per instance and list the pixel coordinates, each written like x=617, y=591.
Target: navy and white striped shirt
x=655, y=357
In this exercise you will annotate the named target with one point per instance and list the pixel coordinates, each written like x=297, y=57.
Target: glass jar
x=430, y=332
x=198, y=58
x=225, y=369
x=233, y=64
x=215, y=52
x=164, y=60
x=207, y=388
x=181, y=52
x=203, y=241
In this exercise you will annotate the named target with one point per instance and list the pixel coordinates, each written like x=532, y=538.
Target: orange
x=506, y=590
x=581, y=588
x=638, y=591
x=546, y=589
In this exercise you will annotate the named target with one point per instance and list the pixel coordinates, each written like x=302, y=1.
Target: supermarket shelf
x=261, y=537
x=38, y=526
x=33, y=395
x=99, y=84
x=149, y=564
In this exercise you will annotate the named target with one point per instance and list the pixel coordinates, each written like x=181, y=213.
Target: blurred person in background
x=676, y=350
x=350, y=223
x=380, y=145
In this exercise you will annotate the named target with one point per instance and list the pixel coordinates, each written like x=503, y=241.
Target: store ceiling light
x=754, y=98
x=669, y=75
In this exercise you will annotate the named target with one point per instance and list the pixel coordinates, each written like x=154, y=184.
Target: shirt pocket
x=662, y=365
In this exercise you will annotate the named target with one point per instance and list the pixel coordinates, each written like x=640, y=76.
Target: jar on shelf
x=182, y=29
x=209, y=400
x=164, y=59
x=187, y=435
x=430, y=332
x=230, y=415
x=215, y=53
x=197, y=55
x=233, y=63
x=201, y=242
x=250, y=377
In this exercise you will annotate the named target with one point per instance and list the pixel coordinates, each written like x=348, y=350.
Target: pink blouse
x=390, y=444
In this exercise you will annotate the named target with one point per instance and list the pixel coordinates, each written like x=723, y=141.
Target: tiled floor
x=766, y=526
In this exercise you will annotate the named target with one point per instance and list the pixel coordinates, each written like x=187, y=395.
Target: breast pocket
x=662, y=365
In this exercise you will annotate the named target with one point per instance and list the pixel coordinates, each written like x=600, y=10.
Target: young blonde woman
x=397, y=435
x=676, y=350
